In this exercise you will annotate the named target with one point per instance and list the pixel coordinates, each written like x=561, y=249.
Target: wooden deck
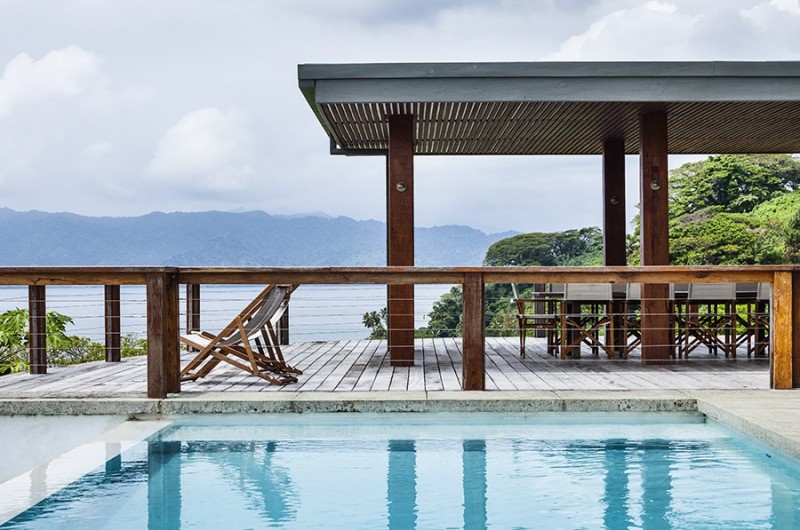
x=363, y=365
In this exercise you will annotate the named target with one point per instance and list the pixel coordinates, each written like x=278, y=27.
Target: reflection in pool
x=434, y=471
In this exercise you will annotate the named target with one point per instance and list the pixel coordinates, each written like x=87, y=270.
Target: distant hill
x=223, y=238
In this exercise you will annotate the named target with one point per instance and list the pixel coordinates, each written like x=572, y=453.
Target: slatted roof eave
x=567, y=108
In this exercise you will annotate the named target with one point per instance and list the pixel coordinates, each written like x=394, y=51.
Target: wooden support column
x=37, y=324
x=112, y=321
x=400, y=236
x=163, y=358
x=785, y=333
x=656, y=333
x=474, y=362
x=614, y=243
x=192, y=307
x=614, y=202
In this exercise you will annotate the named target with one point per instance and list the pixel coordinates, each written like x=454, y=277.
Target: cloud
x=790, y=6
x=59, y=74
x=206, y=147
x=653, y=31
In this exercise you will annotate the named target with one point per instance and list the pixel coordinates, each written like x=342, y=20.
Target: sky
x=124, y=107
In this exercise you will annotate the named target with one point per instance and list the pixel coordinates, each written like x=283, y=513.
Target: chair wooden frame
x=249, y=342
x=537, y=313
x=578, y=327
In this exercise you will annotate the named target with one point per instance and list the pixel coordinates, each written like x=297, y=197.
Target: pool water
x=431, y=471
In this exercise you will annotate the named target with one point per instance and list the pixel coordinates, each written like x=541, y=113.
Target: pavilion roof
x=557, y=107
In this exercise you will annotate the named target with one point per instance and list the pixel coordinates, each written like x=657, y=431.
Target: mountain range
x=217, y=238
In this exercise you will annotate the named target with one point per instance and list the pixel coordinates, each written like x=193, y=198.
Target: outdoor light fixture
x=614, y=200
x=401, y=187
x=655, y=185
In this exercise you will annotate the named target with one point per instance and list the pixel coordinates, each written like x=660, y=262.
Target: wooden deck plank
x=363, y=365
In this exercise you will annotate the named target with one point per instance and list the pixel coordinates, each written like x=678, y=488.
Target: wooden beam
x=112, y=323
x=37, y=325
x=163, y=358
x=400, y=236
x=785, y=333
x=474, y=362
x=654, y=171
x=192, y=307
x=614, y=242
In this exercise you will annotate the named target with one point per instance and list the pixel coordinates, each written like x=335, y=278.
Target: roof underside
x=558, y=108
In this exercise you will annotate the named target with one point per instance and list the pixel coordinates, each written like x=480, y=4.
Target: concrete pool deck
x=772, y=417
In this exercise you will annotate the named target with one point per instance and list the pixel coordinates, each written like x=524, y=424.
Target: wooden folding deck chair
x=249, y=342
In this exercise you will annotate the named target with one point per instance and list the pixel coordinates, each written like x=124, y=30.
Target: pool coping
x=770, y=416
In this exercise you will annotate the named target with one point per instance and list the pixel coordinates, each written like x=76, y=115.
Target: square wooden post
x=192, y=307
x=614, y=241
x=37, y=325
x=163, y=355
x=654, y=194
x=785, y=334
x=400, y=237
x=112, y=323
x=614, y=238
x=474, y=358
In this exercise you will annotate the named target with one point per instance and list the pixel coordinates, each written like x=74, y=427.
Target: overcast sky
x=127, y=107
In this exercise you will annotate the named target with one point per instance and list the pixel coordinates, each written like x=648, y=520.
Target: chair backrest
x=633, y=291
x=556, y=289
x=678, y=290
x=514, y=291
x=746, y=290
x=271, y=309
x=712, y=291
x=588, y=292
x=764, y=291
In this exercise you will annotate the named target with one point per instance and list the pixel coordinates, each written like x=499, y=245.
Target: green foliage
x=711, y=237
x=732, y=209
x=376, y=322
x=62, y=349
x=445, y=318
x=583, y=246
x=736, y=183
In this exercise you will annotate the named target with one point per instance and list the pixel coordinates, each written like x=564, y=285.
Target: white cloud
x=96, y=150
x=790, y=6
x=60, y=73
x=653, y=31
x=206, y=147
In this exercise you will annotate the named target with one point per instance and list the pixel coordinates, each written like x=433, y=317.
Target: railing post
x=37, y=323
x=192, y=307
x=163, y=358
x=474, y=358
x=112, y=321
x=785, y=333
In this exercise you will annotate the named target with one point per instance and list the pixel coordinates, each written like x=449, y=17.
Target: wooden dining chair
x=709, y=319
x=539, y=312
x=583, y=327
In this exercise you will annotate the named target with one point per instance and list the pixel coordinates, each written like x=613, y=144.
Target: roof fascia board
x=643, y=89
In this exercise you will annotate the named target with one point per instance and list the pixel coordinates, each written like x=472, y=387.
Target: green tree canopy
x=583, y=246
x=735, y=183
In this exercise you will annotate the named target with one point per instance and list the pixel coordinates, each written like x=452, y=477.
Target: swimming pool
x=402, y=471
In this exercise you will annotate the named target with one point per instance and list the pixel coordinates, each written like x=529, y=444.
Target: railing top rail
x=393, y=275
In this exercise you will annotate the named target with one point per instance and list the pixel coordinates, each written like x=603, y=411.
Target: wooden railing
x=163, y=301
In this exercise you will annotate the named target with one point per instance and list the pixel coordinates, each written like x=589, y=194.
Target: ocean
x=317, y=312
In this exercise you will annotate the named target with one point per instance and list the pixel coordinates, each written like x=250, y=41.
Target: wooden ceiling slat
x=569, y=128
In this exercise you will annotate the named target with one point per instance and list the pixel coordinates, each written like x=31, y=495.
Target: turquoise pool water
x=431, y=471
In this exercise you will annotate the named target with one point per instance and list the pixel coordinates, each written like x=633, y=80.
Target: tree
x=376, y=322
x=583, y=246
x=735, y=183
